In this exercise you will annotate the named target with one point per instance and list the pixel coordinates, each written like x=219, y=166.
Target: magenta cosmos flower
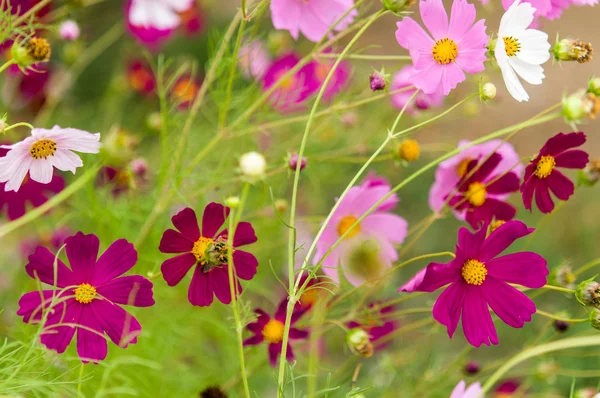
x=207, y=251
x=478, y=279
x=140, y=77
x=312, y=18
x=451, y=171
x=254, y=59
x=152, y=21
x=368, y=249
x=457, y=47
x=88, y=302
x=377, y=325
x=338, y=80
x=477, y=195
x=270, y=331
x=421, y=102
x=541, y=175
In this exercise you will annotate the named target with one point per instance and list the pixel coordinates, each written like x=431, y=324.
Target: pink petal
x=91, y=344
x=512, y=306
x=82, y=251
x=30, y=305
x=502, y=238
x=254, y=340
x=573, y=159
x=429, y=78
x=528, y=187
x=452, y=75
x=129, y=290
x=119, y=258
x=447, y=308
x=298, y=333
x=120, y=326
x=470, y=242
x=174, y=269
x=560, y=185
x=244, y=234
x=213, y=218
x=55, y=336
x=542, y=197
x=389, y=226
x=245, y=264
x=201, y=290
x=476, y=319
x=187, y=223
x=220, y=284
x=523, y=268
x=285, y=15
x=461, y=19
x=41, y=266
x=432, y=277
x=412, y=37
x=472, y=48
x=435, y=18
x=174, y=242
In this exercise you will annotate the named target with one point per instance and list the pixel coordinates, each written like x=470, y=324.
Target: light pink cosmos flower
x=152, y=21
x=368, y=249
x=44, y=150
x=421, y=102
x=451, y=171
x=254, y=59
x=312, y=18
x=461, y=390
x=69, y=30
x=550, y=9
x=457, y=47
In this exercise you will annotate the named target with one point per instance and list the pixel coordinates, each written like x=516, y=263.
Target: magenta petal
x=511, y=305
x=574, y=159
x=129, y=290
x=91, y=343
x=245, y=264
x=244, y=234
x=119, y=258
x=41, y=266
x=220, y=284
x=528, y=187
x=560, y=185
x=254, y=340
x=187, y=223
x=432, y=277
x=201, y=290
x=447, y=308
x=523, y=268
x=476, y=319
x=298, y=333
x=561, y=142
x=507, y=183
x=30, y=305
x=542, y=197
x=262, y=319
x=55, y=335
x=502, y=238
x=120, y=326
x=274, y=351
x=483, y=170
x=82, y=251
x=174, y=242
x=470, y=243
x=213, y=218
x=174, y=269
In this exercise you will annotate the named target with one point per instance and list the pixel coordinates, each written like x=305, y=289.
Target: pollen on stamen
x=545, y=166
x=42, y=149
x=199, y=249
x=511, y=46
x=273, y=331
x=345, y=224
x=474, y=272
x=476, y=194
x=85, y=293
x=444, y=51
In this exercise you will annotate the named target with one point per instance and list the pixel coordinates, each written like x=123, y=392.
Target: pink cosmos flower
x=312, y=18
x=377, y=325
x=44, y=150
x=69, y=30
x=477, y=194
x=153, y=21
x=184, y=91
x=206, y=251
x=368, y=249
x=89, y=296
x=140, y=77
x=451, y=171
x=254, y=59
x=456, y=47
x=421, y=102
x=541, y=175
x=550, y=9
x=338, y=80
x=461, y=390
x=293, y=90
x=270, y=330
x=477, y=279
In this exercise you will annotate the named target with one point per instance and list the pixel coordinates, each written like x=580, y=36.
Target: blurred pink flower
x=462, y=391
x=456, y=47
x=550, y=9
x=254, y=59
x=69, y=30
x=338, y=80
x=421, y=102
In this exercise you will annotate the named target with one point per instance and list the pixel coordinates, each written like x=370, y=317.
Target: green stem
x=31, y=12
x=368, y=57
x=558, y=288
x=586, y=267
x=80, y=382
x=20, y=124
x=6, y=65
x=558, y=318
x=238, y=43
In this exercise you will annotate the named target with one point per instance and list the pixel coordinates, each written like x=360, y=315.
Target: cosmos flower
x=254, y=59
x=457, y=47
x=184, y=91
x=44, y=150
x=477, y=194
x=140, y=77
x=378, y=323
x=270, y=330
x=451, y=171
x=69, y=30
x=462, y=391
x=338, y=80
x=521, y=51
x=477, y=279
x=206, y=251
x=89, y=296
x=542, y=176
x=421, y=102
x=368, y=250
x=153, y=21
x=312, y=18
x=119, y=179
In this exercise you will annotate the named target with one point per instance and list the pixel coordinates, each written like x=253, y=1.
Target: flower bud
x=561, y=326
x=293, y=162
x=595, y=318
x=573, y=50
x=397, y=6
x=253, y=165
x=281, y=205
x=591, y=105
x=594, y=86
x=591, y=173
x=69, y=30
x=232, y=201
x=349, y=119
x=213, y=392
x=139, y=167
x=154, y=121
x=409, y=150
x=574, y=107
x=564, y=276
x=472, y=368
x=487, y=92
x=377, y=81
x=31, y=51
x=359, y=342
x=588, y=293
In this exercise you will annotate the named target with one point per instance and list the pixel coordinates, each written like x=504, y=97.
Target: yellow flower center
x=496, y=224
x=309, y=297
x=38, y=49
x=85, y=293
x=476, y=194
x=545, y=166
x=322, y=70
x=273, y=331
x=511, y=46
x=42, y=149
x=288, y=83
x=139, y=79
x=410, y=150
x=461, y=169
x=474, y=272
x=185, y=90
x=345, y=225
x=199, y=249
x=444, y=51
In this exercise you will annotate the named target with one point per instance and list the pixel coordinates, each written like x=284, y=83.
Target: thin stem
x=558, y=288
x=238, y=43
x=20, y=124
x=403, y=330
x=559, y=318
x=368, y=57
x=7, y=64
x=31, y=12
x=586, y=267
x=80, y=382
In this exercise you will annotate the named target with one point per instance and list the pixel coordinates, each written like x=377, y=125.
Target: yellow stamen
x=38, y=49
x=409, y=150
x=511, y=46
x=545, y=166
x=444, y=51
x=461, y=169
x=85, y=293
x=476, y=194
x=345, y=225
x=42, y=149
x=496, y=224
x=474, y=272
x=199, y=249
x=273, y=331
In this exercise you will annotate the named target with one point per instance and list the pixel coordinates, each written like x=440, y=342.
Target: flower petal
x=298, y=333
x=213, y=218
x=561, y=142
x=523, y=268
x=501, y=238
x=573, y=159
x=174, y=269
x=512, y=82
x=30, y=305
x=386, y=225
x=476, y=319
x=274, y=352
x=542, y=197
x=512, y=306
x=245, y=264
x=534, y=47
x=509, y=182
x=447, y=308
x=41, y=171
x=187, y=223
x=129, y=290
x=470, y=243
x=119, y=258
x=66, y=160
x=560, y=185
x=55, y=336
x=41, y=266
x=412, y=37
x=91, y=344
x=435, y=18
x=432, y=277
x=254, y=340
x=174, y=242
x=201, y=290
x=219, y=278
x=244, y=234
x=120, y=326
x=532, y=74
x=462, y=18
x=82, y=251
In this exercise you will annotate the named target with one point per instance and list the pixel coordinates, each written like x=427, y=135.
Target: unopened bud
x=573, y=50
x=564, y=276
x=31, y=51
x=591, y=105
x=377, y=81
x=281, y=205
x=574, y=107
x=397, y=6
x=588, y=293
x=232, y=201
x=359, y=342
x=409, y=150
x=69, y=30
x=487, y=92
x=139, y=167
x=595, y=318
x=293, y=162
x=591, y=174
x=253, y=165
x=472, y=368
x=561, y=326
x=594, y=86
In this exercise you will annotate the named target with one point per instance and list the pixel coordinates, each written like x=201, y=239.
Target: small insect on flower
x=462, y=391
x=270, y=330
x=542, y=175
x=88, y=296
x=457, y=47
x=521, y=50
x=477, y=279
x=359, y=342
x=206, y=251
x=30, y=51
x=44, y=150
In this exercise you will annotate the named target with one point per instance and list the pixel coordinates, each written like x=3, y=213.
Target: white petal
x=9, y=164
x=66, y=160
x=516, y=19
x=532, y=74
x=19, y=170
x=159, y=14
x=41, y=170
x=535, y=48
x=179, y=5
x=513, y=85
x=77, y=140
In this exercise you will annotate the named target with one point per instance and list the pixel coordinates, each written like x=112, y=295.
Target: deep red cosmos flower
x=141, y=77
x=482, y=194
x=541, y=175
x=270, y=330
x=88, y=299
x=478, y=278
x=378, y=323
x=207, y=251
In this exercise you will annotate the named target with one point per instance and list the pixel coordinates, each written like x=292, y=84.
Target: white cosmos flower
x=44, y=150
x=159, y=14
x=521, y=50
